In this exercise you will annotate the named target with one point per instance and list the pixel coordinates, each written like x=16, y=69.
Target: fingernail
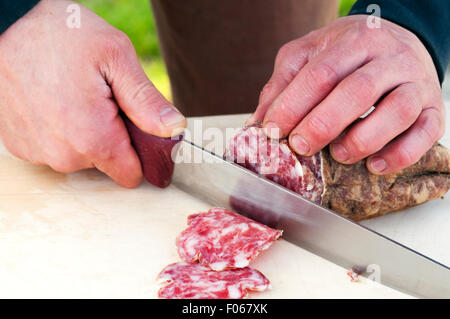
x=299, y=144
x=339, y=152
x=272, y=130
x=378, y=164
x=170, y=116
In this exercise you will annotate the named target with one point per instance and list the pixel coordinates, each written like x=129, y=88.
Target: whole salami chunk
x=221, y=239
x=350, y=190
x=194, y=281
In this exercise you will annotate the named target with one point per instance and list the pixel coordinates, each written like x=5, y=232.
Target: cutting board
x=82, y=236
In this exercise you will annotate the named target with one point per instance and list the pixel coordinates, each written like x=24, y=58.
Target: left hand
x=325, y=81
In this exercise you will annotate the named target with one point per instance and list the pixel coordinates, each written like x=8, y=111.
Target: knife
x=304, y=223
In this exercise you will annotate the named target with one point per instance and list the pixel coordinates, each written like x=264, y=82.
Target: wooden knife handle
x=155, y=153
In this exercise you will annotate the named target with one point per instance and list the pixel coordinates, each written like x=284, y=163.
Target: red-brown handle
x=155, y=154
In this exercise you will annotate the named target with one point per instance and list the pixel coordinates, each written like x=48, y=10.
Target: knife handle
x=154, y=152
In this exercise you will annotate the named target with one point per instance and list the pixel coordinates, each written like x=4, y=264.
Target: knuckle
x=441, y=126
x=362, y=87
x=86, y=146
x=410, y=63
x=405, y=157
x=36, y=160
x=145, y=93
x=409, y=110
x=102, y=153
x=97, y=151
x=285, y=108
x=404, y=49
x=318, y=127
x=289, y=72
x=321, y=77
x=83, y=145
x=103, y=110
x=267, y=89
x=406, y=106
x=121, y=40
x=433, y=127
x=288, y=61
x=101, y=142
x=380, y=33
x=13, y=149
x=116, y=44
x=354, y=34
x=375, y=35
x=61, y=167
x=64, y=164
x=358, y=147
x=285, y=51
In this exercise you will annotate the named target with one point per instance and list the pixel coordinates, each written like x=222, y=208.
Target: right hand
x=61, y=90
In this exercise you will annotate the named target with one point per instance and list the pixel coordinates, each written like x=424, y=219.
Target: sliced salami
x=275, y=160
x=221, y=239
x=194, y=281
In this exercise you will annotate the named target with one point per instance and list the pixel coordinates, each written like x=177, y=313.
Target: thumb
x=136, y=95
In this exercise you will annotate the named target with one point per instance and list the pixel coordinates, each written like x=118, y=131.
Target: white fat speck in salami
x=276, y=161
x=194, y=281
x=223, y=239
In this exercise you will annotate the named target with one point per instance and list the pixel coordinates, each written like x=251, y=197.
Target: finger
x=137, y=96
x=16, y=140
x=62, y=158
x=290, y=59
x=311, y=85
x=351, y=98
x=392, y=116
x=114, y=155
x=408, y=148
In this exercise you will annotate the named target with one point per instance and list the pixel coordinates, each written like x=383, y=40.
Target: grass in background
x=134, y=17
x=345, y=6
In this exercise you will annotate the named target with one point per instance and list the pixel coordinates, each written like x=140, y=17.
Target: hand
x=325, y=81
x=61, y=89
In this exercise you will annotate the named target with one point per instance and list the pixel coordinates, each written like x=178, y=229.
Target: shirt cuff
x=11, y=11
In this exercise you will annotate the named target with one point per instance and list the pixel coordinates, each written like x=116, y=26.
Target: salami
x=350, y=190
x=221, y=239
x=194, y=281
x=276, y=161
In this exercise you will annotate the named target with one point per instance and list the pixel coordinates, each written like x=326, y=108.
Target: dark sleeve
x=428, y=19
x=13, y=10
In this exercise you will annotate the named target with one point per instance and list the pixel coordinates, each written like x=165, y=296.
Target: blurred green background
x=134, y=17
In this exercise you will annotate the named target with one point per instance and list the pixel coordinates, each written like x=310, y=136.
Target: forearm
x=428, y=20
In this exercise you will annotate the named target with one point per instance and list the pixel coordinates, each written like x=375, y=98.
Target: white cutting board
x=82, y=236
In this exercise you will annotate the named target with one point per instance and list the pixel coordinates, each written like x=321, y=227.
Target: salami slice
x=221, y=239
x=275, y=160
x=195, y=281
